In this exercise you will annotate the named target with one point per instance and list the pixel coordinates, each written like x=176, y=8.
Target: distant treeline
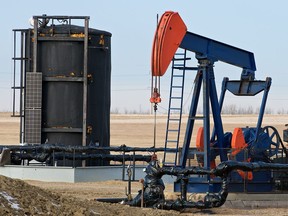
x=231, y=109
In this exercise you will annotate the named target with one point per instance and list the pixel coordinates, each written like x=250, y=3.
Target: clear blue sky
x=258, y=26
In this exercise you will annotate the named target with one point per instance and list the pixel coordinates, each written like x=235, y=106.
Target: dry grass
x=137, y=130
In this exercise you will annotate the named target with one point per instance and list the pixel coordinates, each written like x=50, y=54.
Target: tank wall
x=98, y=113
x=99, y=85
x=62, y=68
x=61, y=58
x=62, y=105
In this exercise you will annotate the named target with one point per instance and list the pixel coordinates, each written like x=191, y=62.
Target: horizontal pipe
x=69, y=148
x=60, y=156
x=223, y=169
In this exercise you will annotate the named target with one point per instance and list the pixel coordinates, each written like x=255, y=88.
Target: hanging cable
x=155, y=92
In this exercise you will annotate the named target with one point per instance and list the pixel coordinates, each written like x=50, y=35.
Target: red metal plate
x=238, y=141
x=168, y=36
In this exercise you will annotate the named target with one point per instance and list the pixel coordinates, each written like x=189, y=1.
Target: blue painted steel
x=191, y=119
x=263, y=105
x=262, y=182
x=246, y=87
x=209, y=92
x=217, y=51
x=205, y=67
x=198, y=184
x=217, y=118
x=207, y=52
x=221, y=101
x=253, y=187
x=249, y=88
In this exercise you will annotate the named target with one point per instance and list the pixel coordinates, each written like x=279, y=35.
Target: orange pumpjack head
x=168, y=37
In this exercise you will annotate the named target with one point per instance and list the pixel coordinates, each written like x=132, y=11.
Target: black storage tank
x=76, y=82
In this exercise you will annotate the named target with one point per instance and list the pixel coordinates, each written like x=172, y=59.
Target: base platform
x=73, y=175
x=242, y=200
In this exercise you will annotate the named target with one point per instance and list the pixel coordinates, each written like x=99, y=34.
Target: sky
x=259, y=26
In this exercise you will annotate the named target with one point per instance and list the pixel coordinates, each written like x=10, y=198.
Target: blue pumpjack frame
x=207, y=52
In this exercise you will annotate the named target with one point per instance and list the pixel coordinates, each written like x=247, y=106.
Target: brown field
x=131, y=130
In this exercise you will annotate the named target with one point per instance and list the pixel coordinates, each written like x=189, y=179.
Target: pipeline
x=72, y=149
x=45, y=152
x=222, y=170
x=43, y=157
x=211, y=200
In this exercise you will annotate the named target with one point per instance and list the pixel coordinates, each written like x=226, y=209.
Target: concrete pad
x=267, y=200
x=237, y=204
x=72, y=175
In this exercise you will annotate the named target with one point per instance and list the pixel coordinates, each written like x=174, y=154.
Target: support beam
x=218, y=51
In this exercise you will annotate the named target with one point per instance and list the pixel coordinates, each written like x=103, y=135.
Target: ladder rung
x=181, y=59
x=178, y=54
x=191, y=68
x=174, y=108
x=177, y=86
x=17, y=87
x=177, y=75
x=175, y=141
x=186, y=68
x=178, y=65
x=176, y=97
x=173, y=130
x=19, y=58
x=174, y=119
x=197, y=117
x=17, y=115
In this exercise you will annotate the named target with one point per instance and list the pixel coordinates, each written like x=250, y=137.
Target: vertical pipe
x=123, y=166
x=85, y=68
x=133, y=166
x=14, y=73
x=73, y=158
x=35, y=40
x=28, y=67
x=142, y=194
x=21, y=87
x=53, y=156
x=183, y=184
x=129, y=196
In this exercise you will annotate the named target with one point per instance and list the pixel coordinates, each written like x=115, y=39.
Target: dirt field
x=47, y=198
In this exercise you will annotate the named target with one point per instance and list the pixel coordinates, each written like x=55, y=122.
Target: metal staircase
x=175, y=108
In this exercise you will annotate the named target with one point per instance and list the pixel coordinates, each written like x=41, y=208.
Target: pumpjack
x=249, y=144
x=249, y=159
